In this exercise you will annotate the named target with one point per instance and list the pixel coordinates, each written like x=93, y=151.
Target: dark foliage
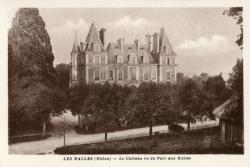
x=235, y=82
x=175, y=128
x=27, y=138
x=236, y=13
x=31, y=73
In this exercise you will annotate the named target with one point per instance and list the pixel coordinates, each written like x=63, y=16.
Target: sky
x=203, y=38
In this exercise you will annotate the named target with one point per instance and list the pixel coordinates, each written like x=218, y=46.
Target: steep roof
x=75, y=45
x=223, y=111
x=113, y=50
x=93, y=37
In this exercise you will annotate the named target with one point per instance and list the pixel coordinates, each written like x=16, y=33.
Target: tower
x=74, y=63
x=95, y=56
x=167, y=66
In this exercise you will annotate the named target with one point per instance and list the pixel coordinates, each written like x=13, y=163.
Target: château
x=94, y=61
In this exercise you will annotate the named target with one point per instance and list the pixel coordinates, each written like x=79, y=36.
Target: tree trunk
x=79, y=121
x=106, y=136
x=44, y=128
x=188, y=125
x=64, y=142
x=150, y=127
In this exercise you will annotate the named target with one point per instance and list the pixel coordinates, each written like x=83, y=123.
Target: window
x=172, y=60
x=153, y=74
x=111, y=77
x=97, y=74
x=163, y=60
x=96, y=47
x=90, y=59
x=168, y=74
x=119, y=59
x=144, y=59
x=91, y=73
x=103, y=74
x=103, y=58
x=120, y=74
x=132, y=59
x=167, y=50
x=133, y=74
x=96, y=59
x=145, y=74
x=168, y=63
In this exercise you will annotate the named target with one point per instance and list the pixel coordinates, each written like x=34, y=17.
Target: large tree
x=78, y=99
x=189, y=97
x=147, y=104
x=107, y=107
x=235, y=82
x=236, y=14
x=50, y=102
x=30, y=67
x=63, y=76
x=216, y=92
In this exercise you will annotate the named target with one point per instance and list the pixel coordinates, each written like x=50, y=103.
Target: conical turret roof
x=93, y=37
x=75, y=46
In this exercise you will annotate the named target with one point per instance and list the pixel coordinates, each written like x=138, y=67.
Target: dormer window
x=166, y=49
x=96, y=47
x=119, y=59
x=132, y=59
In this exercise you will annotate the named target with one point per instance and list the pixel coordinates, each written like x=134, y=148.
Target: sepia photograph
x=126, y=81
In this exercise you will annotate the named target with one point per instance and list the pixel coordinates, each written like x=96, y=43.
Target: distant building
x=204, y=76
x=180, y=78
x=121, y=62
x=231, y=131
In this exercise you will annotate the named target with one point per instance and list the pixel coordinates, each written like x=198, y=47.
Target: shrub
x=91, y=129
x=112, y=147
x=27, y=138
x=175, y=128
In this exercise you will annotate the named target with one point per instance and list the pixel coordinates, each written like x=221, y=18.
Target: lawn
x=204, y=141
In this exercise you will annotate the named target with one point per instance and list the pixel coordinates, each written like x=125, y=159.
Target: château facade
x=120, y=62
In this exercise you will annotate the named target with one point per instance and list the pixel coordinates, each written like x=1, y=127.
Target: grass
x=203, y=141
x=27, y=138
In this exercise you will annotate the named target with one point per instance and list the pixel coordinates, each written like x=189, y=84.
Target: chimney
x=155, y=43
x=137, y=45
x=121, y=43
x=102, y=36
x=148, y=42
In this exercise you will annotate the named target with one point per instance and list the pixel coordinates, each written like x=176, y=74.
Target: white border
x=7, y=160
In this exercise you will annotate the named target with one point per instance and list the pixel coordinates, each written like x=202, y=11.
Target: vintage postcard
x=104, y=84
